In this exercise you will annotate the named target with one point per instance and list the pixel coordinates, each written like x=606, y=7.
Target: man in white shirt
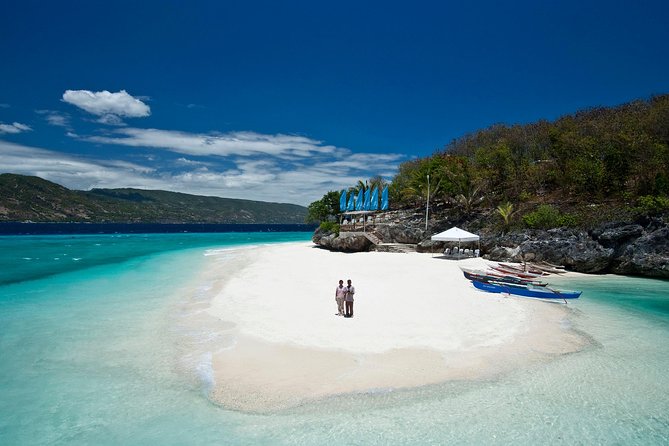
x=340, y=295
x=349, y=299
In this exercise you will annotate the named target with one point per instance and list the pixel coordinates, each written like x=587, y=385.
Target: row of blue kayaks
x=504, y=278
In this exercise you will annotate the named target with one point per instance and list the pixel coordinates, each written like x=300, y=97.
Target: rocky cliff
x=631, y=248
x=619, y=248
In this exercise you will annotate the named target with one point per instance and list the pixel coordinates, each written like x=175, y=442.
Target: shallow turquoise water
x=88, y=355
x=32, y=257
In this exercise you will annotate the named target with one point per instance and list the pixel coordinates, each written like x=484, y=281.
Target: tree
x=377, y=181
x=410, y=185
x=324, y=209
x=470, y=198
x=317, y=212
x=331, y=200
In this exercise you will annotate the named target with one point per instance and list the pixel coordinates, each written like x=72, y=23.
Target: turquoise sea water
x=88, y=355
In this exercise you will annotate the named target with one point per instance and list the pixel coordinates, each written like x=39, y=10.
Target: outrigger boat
x=488, y=276
x=524, y=268
x=515, y=272
x=548, y=268
x=526, y=290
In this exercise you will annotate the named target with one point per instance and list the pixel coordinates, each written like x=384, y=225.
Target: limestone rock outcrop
x=618, y=248
x=345, y=242
x=632, y=248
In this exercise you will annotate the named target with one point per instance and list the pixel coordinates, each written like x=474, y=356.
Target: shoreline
x=274, y=342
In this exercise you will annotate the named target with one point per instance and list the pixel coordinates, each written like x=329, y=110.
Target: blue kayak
x=525, y=290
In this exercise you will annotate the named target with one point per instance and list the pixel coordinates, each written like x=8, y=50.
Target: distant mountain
x=27, y=198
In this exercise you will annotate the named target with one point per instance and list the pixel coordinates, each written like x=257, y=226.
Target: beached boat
x=551, y=265
x=514, y=272
x=525, y=290
x=524, y=268
x=487, y=276
x=548, y=268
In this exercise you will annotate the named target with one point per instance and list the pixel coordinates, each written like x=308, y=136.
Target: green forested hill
x=594, y=162
x=24, y=198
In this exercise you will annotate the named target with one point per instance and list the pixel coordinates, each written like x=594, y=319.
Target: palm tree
x=377, y=181
x=469, y=198
x=506, y=212
x=418, y=183
x=361, y=185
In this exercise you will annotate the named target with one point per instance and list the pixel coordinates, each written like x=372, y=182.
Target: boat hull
x=519, y=290
x=514, y=272
x=526, y=269
x=488, y=277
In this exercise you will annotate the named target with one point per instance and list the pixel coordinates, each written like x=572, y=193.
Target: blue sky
x=283, y=101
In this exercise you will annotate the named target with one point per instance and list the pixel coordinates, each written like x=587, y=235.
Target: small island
x=589, y=191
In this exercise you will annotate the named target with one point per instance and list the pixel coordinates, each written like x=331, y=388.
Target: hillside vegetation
x=595, y=165
x=563, y=170
x=24, y=198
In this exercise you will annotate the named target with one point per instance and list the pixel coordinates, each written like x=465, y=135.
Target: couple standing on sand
x=344, y=294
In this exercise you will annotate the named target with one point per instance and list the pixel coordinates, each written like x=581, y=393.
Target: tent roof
x=455, y=235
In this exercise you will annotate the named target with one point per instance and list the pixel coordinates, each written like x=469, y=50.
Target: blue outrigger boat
x=525, y=290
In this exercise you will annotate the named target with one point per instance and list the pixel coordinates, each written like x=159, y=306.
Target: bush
x=524, y=196
x=547, y=217
x=652, y=205
x=329, y=226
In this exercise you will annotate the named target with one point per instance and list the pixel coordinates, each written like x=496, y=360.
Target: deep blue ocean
x=89, y=355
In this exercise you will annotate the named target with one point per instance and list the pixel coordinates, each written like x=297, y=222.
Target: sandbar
x=417, y=321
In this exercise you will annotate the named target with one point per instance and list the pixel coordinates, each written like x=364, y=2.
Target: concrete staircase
x=373, y=238
x=369, y=235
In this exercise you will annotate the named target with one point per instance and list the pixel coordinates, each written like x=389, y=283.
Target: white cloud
x=300, y=186
x=363, y=161
x=57, y=120
x=55, y=117
x=110, y=119
x=258, y=171
x=15, y=127
x=110, y=107
x=233, y=143
x=74, y=172
x=189, y=162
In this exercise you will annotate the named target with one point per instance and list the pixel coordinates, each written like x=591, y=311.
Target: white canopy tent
x=456, y=235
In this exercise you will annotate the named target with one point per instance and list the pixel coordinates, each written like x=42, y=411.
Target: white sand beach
x=417, y=322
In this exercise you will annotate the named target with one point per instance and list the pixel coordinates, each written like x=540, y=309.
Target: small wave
x=219, y=251
x=76, y=259
x=204, y=288
x=206, y=337
x=231, y=346
x=378, y=391
x=202, y=292
x=27, y=258
x=205, y=371
x=214, y=252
